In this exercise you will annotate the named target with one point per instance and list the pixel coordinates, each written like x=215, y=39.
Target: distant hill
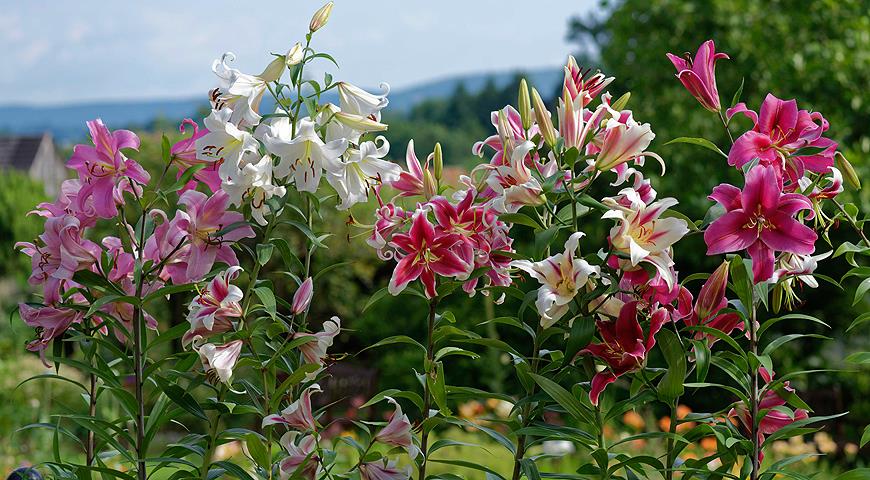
x=67, y=122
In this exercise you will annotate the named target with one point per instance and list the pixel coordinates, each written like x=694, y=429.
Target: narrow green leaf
x=701, y=142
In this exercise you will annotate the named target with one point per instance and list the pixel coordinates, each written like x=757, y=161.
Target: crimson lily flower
x=781, y=130
x=427, y=253
x=759, y=219
x=699, y=75
x=711, y=300
x=623, y=345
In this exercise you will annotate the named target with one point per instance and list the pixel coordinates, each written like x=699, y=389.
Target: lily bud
x=274, y=70
x=320, y=17
x=302, y=297
x=294, y=55
x=359, y=122
x=438, y=161
x=505, y=134
x=712, y=292
x=430, y=187
x=848, y=171
x=524, y=103
x=545, y=122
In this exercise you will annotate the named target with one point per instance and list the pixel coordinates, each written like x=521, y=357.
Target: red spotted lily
x=759, y=219
x=184, y=153
x=624, y=140
x=397, y=432
x=364, y=168
x=303, y=156
x=698, y=75
x=513, y=183
x=213, y=310
x=225, y=143
x=301, y=460
x=579, y=84
x=105, y=173
x=624, y=346
x=561, y=277
x=780, y=132
x=426, y=253
x=298, y=415
x=241, y=93
x=220, y=359
x=252, y=182
x=384, y=470
x=642, y=234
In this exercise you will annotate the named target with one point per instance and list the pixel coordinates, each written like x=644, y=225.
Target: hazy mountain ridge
x=66, y=122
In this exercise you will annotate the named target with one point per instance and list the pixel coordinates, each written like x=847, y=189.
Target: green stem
x=851, y=221
x=602, y=443
x=725, y=125
x=672, y=457
x=92, y=412
x=753, y=393
x=214, y=422
x=527, y=409
x=427, y=394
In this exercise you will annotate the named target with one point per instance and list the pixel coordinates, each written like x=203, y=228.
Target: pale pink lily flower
x=203, y=217
x=759, y=219
x=580, y=85
x=513, y=184
x=698, y=75
x=298, y=415
x=50, y=323
x=184, y=153
x=301, y=460
x=573, y=127
x=315, y=351
x=826, y=187
x=168, y=245
x=220, y=359
x=302, y=297
x=425, y=255
x=59, y=252
x=561, y=276
x=624, y=141
x=417, y=180
x=384, y=470
x=102, y=168
x=397, y=432
x=515, y=134
x=798, y=267
x=211, y=312
x=642, y=234
x=780, y=131
x=67, y=204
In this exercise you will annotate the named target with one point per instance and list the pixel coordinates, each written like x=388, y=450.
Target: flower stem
x=214, y=422
x=527, y=409
x=672, y=457
x=753, y=394
x=427, y=394
x=725, y=125
x=92, y=412
x=852, y=222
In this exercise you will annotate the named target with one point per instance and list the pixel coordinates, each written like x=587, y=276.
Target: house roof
x=19, y=151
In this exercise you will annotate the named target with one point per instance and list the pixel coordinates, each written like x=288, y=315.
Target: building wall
x=48, y=167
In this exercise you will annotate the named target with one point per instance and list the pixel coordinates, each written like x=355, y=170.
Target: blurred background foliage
x=817, y=52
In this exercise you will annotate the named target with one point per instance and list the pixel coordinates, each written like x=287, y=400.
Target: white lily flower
x=341, y=124
x=254, y=182
x=225, y=143
x=357, y=101
x=354, y=177
x=561, y=277
x=240, y=92
x=303, y=156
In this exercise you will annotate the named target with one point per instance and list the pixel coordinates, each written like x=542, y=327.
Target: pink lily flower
x=773, y=419
x=302, y=460
x=623, y=346
x=561, y=276
x=315, y=351
x=699, y=75
x=59, y=252
x=417, y=180
x=184, y=153
x=302, y=297
x=515, y=134
x=123, y=264
x=384, y=470
x=168, y=245
x=759, y=219
x=387, y=219
x=780, y=131
x=298, y=415
x=213, y=310
x=711, y=300
x=49, y=322
x=579, y=84
x=204, y=216
x=102, y=168
x=220, y=359
x=427, y=253
x=513, y=184
x=67, y=204
x=624, y=140
x=397, y=432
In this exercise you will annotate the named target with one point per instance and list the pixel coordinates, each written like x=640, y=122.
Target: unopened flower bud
x=712, y=293
x=438, y=161
x=848, y=171
x=430, y=187
x=545, y=122
x=320, y=17
x=505, y=134
x=274, y=70
x=302, y=297
x=524, y=103
x=294, y=55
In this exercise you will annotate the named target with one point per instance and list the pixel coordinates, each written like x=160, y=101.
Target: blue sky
x=84, y=50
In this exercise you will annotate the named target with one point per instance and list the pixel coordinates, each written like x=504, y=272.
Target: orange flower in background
x=709, y=444
x=633, y=420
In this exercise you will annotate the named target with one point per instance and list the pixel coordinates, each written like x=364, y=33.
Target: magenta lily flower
x=578, y=82
x=104, y=171
x=298, y=415
x=302, y=297
x=184, y=154
x=49, y=322
x=427, y=253
x=204, y=217
x=417, y=180
x=780, y=131
x=759, y=219
x=623, y=346
x=699, y=75
x=711, y=300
